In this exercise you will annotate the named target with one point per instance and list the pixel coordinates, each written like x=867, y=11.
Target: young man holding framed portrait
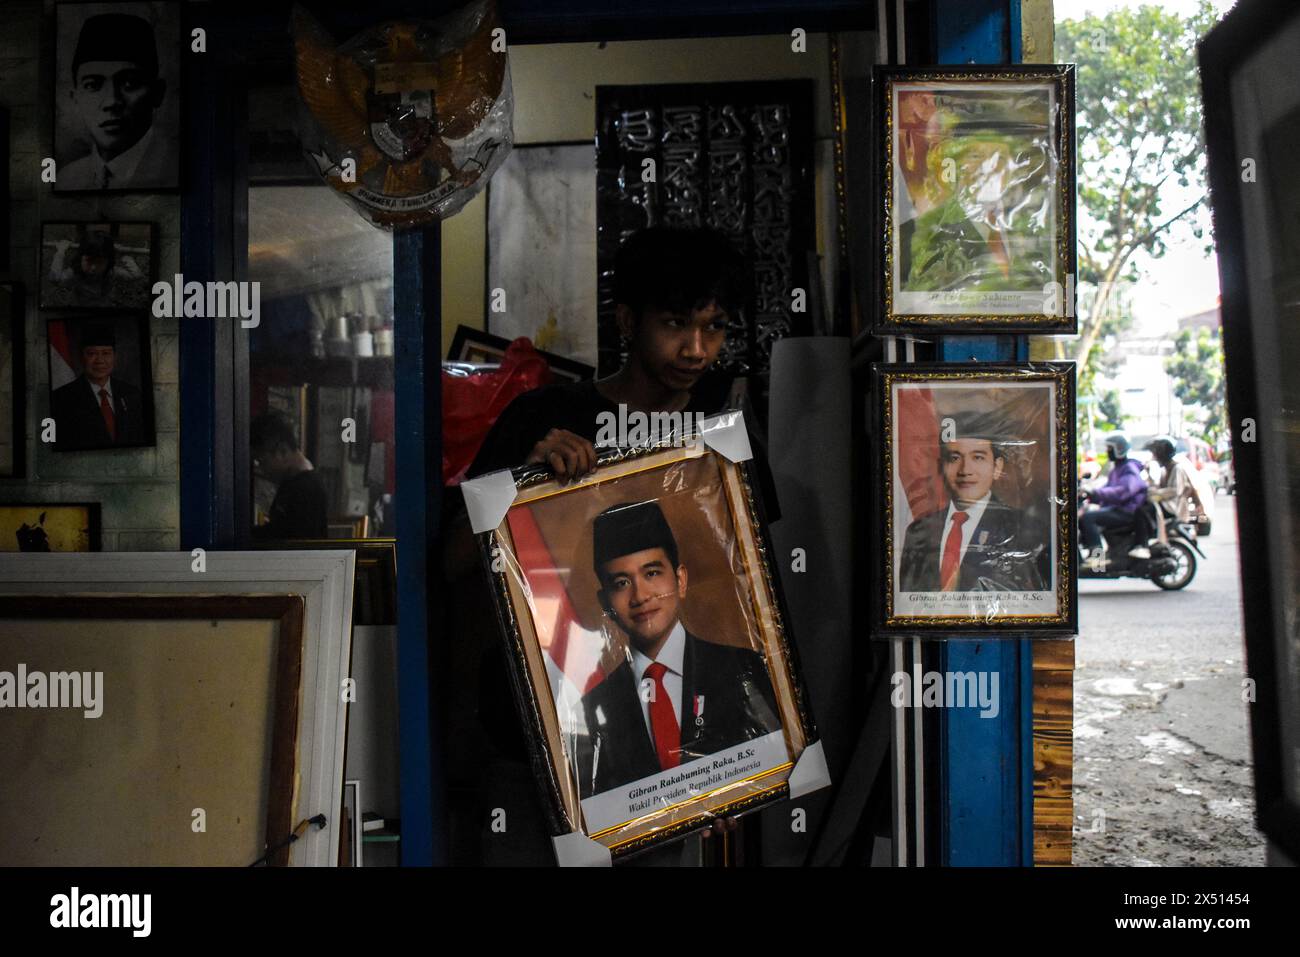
x=676, y=291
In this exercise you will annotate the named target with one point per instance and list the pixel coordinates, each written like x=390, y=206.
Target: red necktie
x=950, y=566
x=663, y=723
x=106, y=410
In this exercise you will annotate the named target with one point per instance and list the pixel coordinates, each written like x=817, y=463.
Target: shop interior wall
x=555, y=101
x=138, y=488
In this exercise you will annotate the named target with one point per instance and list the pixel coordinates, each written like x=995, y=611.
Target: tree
x=1139, y=128
x=1196, y=367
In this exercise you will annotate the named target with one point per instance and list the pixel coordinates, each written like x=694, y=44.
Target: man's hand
x=569, y=455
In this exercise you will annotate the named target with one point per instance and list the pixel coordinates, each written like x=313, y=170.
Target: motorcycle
x=1171, y=566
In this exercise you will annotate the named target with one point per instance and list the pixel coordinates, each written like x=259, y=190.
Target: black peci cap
x=98, y=334
x=116, y=37
x=630, y=527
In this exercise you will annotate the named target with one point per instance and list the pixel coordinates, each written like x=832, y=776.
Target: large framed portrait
x=163, y=698
x=1251, y=81
x=976, y=499
x=117, y=96
x=97, y=265
x=975, y=174
x=101, y=382
x=650, y=649
x=13, y=388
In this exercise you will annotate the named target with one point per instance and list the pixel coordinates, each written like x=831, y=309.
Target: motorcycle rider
x=1175, y=485
x=1119, y=499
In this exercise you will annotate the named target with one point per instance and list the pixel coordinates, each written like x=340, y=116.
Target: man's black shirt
x=300, y=510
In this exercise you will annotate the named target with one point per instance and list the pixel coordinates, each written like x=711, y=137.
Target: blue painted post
x=417, y=284
x=986, y=763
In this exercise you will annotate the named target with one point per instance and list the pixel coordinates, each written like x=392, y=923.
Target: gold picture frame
x=975, y=172
x=1014, y=572
x=541, y=556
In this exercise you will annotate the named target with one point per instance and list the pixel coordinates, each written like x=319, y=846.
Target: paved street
x=1162, y=771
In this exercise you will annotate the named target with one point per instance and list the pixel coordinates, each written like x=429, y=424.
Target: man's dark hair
x=679, y=270
x=269, y=431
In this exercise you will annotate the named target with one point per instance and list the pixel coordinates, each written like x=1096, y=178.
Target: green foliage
x=1109, y=416
x=1139, y=129
x=1197, y=370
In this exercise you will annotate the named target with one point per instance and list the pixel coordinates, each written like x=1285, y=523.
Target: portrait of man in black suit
x=677, y=696
x=101, y=408
x=975, y=541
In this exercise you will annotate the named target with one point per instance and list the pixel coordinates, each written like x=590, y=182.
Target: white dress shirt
x=670, y=656
x=974, y=512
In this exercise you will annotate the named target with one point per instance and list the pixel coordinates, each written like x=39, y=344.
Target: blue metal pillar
x=986, y=763
x=417, y=286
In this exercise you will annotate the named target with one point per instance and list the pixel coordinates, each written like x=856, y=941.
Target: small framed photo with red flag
x=101, y=382
x=651, y=653
x=976, y=500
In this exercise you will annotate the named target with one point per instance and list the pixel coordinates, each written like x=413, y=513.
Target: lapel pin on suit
x=699, y=710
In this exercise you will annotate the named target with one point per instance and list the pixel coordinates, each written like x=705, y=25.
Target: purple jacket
x=1125, y=488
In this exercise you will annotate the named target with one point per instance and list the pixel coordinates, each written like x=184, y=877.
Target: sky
x=1186, y=279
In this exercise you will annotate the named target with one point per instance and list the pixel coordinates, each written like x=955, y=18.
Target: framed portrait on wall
x=976, y=499
x=49, y=527
x=101, y=382
x=650, y=649
x=96, y=265
x=975, y=174
x=1250, y=76
x=117, y=96
x=13, y=386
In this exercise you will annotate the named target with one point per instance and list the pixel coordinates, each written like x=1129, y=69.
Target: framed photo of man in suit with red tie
x=976, y=513
x=651, y=652
x=101, y=383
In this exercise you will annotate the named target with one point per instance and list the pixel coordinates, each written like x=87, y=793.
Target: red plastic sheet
x=471, y=404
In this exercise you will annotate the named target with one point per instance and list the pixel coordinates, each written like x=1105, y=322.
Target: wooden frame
x=1006, y=569
x=287, y=610
x=13, y=317
x=556, y=751
x=322, y=580
x=1251, y=112
x=92, y=520
x=474, y=345
x=973, y=310
x=150, y=273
